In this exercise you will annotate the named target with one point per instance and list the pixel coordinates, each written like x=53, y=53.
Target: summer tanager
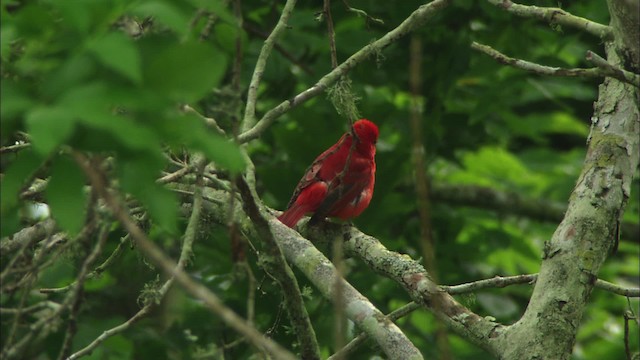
x=339, y=182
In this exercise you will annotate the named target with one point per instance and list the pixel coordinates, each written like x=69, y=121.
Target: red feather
x=339, y=183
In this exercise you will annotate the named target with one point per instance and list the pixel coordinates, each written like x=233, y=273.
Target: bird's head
x=365, y=131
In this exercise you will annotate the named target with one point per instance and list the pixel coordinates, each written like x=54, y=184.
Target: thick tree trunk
x=589, y=230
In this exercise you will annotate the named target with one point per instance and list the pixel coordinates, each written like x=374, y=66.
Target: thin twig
x=78, y=289
x=209, y=121
x=14, y=148
x=627, y=350
x=362, y=13
x=330, y=33
x=503, y=281
x=95, y=273
x=174, y=176
x=360, y=339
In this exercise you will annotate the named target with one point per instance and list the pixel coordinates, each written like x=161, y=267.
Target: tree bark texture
x=590, y=228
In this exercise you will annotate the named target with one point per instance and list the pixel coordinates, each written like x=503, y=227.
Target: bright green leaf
x=65, y=195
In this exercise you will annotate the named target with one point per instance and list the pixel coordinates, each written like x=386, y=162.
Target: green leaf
x=49, y=127
x=118, y=52
x=185, y=72
x=65, y=195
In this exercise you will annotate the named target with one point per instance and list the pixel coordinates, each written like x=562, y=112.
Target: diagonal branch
x=555, y=16
x=613, y=71
x=416, y=19
x=358, y=308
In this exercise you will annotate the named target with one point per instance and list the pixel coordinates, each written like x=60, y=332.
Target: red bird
x=339, y=182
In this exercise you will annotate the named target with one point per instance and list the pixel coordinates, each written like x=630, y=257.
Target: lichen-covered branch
x=597, y=72
x=360, y=339
x=591, y=225
x=613, y=71
x=267, y=47
x=280, y=270
x=414, y=279
x=503, y=281
x=417, y=18
x=555, y=16
x=321, y=272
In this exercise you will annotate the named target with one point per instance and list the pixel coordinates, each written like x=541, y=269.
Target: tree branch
x=360, y=339
x=613, y=71
x=555, y=16
x=14, y=148
x=267, y=47
x=29, y=234
x=417, y=18
x=503, y=281
x=597, y=72
x=415, y=280
x=323, y=275
x=280, y=270
x=590, y=228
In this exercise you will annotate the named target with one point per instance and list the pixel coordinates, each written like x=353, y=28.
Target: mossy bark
x=590, y=228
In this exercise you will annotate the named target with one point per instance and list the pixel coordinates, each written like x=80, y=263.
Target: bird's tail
x=292, y=215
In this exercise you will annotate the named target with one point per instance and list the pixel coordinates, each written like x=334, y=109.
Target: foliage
x=108, y=77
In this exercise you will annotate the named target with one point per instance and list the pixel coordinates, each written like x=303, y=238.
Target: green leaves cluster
x=106, y=77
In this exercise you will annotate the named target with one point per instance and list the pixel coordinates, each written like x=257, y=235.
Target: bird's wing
x=312, y=173
x=343, y=191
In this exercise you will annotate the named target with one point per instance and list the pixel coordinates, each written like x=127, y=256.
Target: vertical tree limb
x=267, y=47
